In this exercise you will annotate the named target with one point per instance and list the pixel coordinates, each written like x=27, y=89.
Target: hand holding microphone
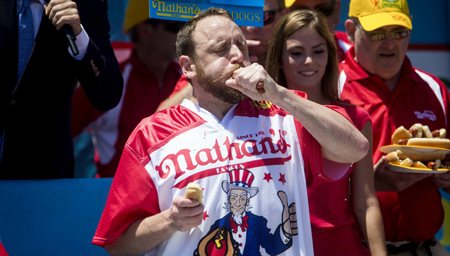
x=64, y=14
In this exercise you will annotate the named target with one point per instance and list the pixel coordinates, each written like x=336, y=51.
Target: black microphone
x=68, y=31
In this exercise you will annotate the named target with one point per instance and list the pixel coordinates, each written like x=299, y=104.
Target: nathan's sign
x=186, y=159
x=250, y=14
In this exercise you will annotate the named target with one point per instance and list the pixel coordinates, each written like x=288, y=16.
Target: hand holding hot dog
x=185, y=213
x=251, y=79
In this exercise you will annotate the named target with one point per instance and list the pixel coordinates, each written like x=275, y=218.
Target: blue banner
x=244, y=13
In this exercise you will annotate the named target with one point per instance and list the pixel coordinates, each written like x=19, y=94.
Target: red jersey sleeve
x=132, y=196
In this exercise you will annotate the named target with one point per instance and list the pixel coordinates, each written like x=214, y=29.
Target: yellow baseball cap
x=137, y=12
x=289, y=3
x=373, y=14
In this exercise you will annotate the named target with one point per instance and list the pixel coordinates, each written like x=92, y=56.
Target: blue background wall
x=431, y=22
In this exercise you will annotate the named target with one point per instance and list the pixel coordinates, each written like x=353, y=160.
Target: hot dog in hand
x=194, y=191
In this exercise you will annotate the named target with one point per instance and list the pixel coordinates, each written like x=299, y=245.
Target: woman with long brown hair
x=302, y=56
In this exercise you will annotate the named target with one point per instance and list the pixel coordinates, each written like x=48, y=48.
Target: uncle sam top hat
x=240, y=179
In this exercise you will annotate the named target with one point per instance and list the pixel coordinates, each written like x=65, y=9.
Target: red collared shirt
x=342, y=44
x=140, y=99
x=416, y=213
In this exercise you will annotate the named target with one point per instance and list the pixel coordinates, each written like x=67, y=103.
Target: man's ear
x=350, y=27
x=187, y=66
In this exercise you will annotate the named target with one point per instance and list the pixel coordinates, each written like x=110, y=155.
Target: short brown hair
x=288, y=25
x=185, y=43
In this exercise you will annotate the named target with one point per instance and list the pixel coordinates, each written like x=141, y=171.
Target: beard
x=216, y=85
x=238, y=217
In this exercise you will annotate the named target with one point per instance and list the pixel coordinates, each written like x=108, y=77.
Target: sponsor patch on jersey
x=427, y=114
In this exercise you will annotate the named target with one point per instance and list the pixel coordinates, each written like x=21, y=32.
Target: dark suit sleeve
x=272, y=243
x=105, y=90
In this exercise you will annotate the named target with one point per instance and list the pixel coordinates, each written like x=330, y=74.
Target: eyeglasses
x=269, y=16
x=379, y=36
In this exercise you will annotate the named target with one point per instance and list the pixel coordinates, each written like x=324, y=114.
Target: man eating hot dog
x=237, y=144
x=378, y=75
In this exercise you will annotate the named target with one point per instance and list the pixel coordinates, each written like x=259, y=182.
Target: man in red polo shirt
x=150, y=74
x=379, y=76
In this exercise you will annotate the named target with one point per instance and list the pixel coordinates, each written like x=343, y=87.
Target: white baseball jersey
x=253, y=154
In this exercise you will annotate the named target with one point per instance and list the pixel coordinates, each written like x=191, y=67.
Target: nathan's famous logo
x=227, y=151
x=427, y=114
x=184, y=10
x=188, y=11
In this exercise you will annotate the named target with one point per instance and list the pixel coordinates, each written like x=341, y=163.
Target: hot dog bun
x=392, y=158
x=420, y=135
x=419, y=164
x=442, y=133
x=400, y=133
x=194, y=191
x=408, y=162
x=418, y=130
x=410, y=158
x=427, y=132
x=421, y=156
x=429, y=142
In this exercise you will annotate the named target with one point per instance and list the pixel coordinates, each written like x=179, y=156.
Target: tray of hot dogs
x=418, y=150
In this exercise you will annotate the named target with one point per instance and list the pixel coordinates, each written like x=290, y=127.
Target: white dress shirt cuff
x=284, y=238
x=82, y=43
